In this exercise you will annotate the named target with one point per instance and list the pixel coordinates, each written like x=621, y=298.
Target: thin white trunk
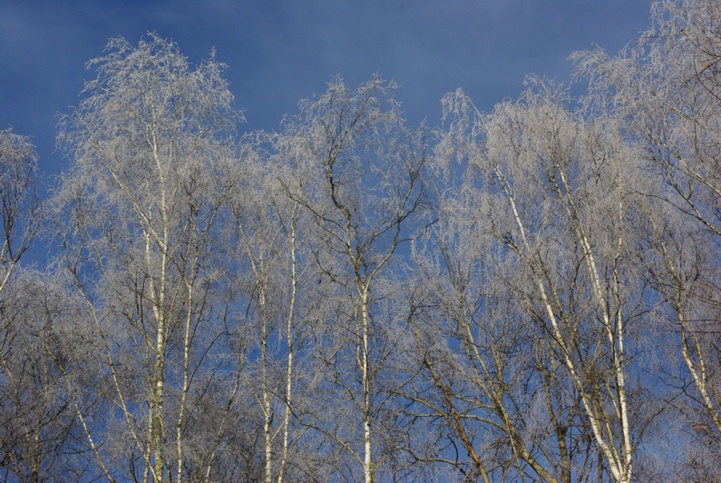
x=698, y=369
x=158, y=300
x=186, y=382
x=291, y=353
x=690, y=343
x=116, y=383
x=156, y=413
x=267, y=410
x=621, y=463
x=594, y=418
x=368, y=472
x=8, y=273
x=259, y=272
x=83, y=422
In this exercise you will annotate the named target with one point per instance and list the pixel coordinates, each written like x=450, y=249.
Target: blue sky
x=279, y=51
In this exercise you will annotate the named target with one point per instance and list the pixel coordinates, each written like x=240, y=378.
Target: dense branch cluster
x=529, y=294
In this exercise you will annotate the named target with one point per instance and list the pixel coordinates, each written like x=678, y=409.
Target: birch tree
x=556, y=201
x=492, y=393
x=271, y=233
x=366, y=198
x=666, y=88
x=21, y=210
x=150, y=144
x=29, y=408
x=40, y=342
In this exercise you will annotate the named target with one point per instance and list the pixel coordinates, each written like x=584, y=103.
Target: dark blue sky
x=280, y=51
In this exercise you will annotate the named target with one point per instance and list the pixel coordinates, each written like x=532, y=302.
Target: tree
x=489, y=387
x=26, y=426
x=21, y=208
x=366, y=197
x=555, y=198
x=277, y=278
x=666, y=88
x=151, y=145
x=40, y=343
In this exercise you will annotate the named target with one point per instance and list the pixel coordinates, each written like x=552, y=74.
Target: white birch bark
x=147, y=156
x=525, y=150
